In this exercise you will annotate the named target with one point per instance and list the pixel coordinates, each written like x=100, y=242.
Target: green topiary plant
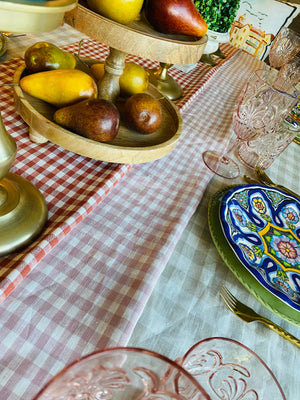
x=218, y=14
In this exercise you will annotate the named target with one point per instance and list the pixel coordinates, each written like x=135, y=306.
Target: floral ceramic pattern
x=262, y=226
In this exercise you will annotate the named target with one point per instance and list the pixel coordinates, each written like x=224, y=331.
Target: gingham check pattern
x=89, y=291
x=71, y=184
x=185, y=305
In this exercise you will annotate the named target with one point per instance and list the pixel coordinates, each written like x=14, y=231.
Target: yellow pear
x=60, y=87
x=134, y=78
x=97, y=70
x=122, y=11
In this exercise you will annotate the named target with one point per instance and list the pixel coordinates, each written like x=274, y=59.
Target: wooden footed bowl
x=128, y=147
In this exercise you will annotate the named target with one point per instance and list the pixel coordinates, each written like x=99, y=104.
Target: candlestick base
x=165, y=83
x=23, y=213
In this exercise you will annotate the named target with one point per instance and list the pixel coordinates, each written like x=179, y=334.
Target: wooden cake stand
x=138, y=39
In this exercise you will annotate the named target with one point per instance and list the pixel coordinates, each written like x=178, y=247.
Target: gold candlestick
x=164, y=82
x=23, y=211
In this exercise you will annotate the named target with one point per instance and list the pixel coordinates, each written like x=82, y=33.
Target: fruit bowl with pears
x=141, y=125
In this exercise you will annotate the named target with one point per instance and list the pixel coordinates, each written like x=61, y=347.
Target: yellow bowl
x=33, y=16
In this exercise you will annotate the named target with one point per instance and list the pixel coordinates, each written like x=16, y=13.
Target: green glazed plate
x=264, y=296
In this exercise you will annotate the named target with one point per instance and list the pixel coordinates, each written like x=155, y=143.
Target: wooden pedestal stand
x=137, y=39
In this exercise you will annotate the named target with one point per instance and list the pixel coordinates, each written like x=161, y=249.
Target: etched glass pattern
x=284, y=47
x=123, y=374
x=229, y=370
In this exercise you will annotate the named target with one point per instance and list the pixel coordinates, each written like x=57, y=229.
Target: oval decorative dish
x=128, y=147
x=256, y=230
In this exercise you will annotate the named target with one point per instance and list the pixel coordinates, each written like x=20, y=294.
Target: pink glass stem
x=226, y=157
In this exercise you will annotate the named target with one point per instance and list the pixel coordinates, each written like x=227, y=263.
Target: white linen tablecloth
x=185, y=306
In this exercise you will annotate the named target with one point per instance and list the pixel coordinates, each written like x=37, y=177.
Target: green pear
x=44, y=56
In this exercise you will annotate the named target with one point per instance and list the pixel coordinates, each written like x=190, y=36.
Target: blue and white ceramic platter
x=262, y=226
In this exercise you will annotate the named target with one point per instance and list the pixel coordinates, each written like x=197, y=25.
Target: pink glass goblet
x=259, y=110
x=290, y=72
x=284, y=47
x=263, y=151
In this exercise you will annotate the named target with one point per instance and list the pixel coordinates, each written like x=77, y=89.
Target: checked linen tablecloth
x=71, y=184
x=95, y=267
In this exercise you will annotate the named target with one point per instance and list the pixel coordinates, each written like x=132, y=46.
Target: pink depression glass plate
x=227, y=369
x=123, y=373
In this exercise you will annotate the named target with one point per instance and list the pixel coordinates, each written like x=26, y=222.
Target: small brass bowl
x=33, y=16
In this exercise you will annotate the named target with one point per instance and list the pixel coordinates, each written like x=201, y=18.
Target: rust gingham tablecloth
x=71, y=184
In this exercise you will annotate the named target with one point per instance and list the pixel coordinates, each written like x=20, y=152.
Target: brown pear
x=175, y=17
x=143, y=113
x=96, y=119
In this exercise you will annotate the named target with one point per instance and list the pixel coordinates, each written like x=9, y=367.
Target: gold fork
x=248, y=315
x=264, y=179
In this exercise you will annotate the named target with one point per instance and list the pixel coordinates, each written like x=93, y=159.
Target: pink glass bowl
x=123, y=373
x=229, y=370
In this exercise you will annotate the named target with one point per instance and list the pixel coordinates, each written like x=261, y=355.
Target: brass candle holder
x=164, y=82
x=23, y=211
